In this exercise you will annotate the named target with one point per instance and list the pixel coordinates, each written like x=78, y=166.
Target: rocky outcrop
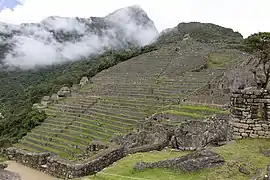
x=191, y=162
x=190, y=135
x=195, y=134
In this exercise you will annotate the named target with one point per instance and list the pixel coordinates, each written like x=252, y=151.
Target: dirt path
x=27, y=173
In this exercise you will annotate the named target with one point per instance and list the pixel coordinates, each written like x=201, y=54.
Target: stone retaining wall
x=250, y=110
x=65, y=169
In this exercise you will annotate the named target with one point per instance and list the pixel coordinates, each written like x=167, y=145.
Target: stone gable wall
x=250, y=110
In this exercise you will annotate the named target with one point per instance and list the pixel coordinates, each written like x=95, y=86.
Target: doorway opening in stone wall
x=262, y=111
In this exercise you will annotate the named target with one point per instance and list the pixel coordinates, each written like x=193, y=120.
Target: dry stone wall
x=250, y=110
x=62, y=168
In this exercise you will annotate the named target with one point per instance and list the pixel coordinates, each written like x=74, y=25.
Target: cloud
x=59, y=39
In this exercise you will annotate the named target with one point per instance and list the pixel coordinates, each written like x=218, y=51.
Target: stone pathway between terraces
x=27, y=173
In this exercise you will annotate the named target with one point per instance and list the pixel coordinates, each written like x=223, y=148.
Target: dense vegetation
x=20, y=89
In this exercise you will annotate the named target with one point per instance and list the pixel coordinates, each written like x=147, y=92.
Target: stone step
x=131, y=107
x=108, y=124
x=129, y=100
x=119, y=109
x=95, y=134
x=28, y=147
x=47, y=132
x=69, y=132
x=55, y=148
x=57, y=140
x=118, y=115
x=104, y=118
x=69, y=135
x=90, y=123
x=128, y=121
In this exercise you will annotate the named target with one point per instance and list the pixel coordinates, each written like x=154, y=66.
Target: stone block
x=265, y=126
x=250, y=100
x=250, y=121
x=265, y=100
x=244, y=134
x=237, y=137
x=241, y=130
x=240, y=125
x=236, y=134
x=254, y=135
x=249, y=131
x=261, y=133
x=258, y=100
x=235, y=129
x=257, y=128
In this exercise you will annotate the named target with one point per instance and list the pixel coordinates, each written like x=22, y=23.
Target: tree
x=259, y=45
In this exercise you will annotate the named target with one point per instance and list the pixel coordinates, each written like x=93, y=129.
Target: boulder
x=64, y=92
x=191, y=162
x=195, y=134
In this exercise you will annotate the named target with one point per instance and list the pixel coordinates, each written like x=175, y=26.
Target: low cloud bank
x=61, y=39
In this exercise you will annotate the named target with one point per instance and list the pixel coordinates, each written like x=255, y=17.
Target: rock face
x=191, y=162
x=191, y=135
x=199, y=133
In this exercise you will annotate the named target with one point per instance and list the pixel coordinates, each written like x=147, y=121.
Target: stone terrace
x=118, y=98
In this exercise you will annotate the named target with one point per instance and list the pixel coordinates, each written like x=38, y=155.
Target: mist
x=39, y=44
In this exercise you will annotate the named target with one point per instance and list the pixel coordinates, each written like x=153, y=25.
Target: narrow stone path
x=27, y=173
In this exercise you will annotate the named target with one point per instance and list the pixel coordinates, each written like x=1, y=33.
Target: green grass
x=243, y=152
x=219, y=59
x=182, y=113
x=202, y=108
x=2, y=159
x=194, y=111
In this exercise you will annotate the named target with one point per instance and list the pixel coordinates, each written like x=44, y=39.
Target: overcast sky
x=245, y=16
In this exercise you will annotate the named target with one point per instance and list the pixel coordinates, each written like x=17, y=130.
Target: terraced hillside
x=120, y=96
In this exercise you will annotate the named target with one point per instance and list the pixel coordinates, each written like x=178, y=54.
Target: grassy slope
x=243, y=152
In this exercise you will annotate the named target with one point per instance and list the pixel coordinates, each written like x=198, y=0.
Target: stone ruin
x=62, y=93
x=250, y=111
